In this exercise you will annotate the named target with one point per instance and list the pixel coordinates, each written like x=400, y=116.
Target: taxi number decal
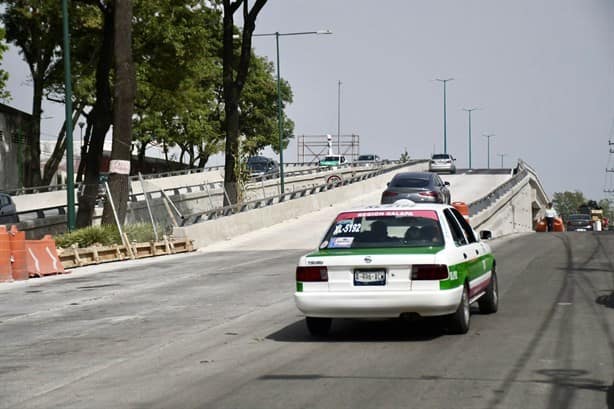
x=344, y=228
x=453, y=275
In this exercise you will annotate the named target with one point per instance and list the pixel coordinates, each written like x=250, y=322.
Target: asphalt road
x=219, y=330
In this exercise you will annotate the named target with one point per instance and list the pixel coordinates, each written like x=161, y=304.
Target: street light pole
x=70, y=182
x=280, y=119
x=501, y=155
x=279, y=106
x=489, y=136
x=339, y=117
x=469, y=110
x=445, y=136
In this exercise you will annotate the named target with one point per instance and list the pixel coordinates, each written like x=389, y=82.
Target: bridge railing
x=490, y=198
x=297, y=194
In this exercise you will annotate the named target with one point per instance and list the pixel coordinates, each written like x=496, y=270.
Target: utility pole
x=469, y=110
x=488, y=151
x=445, y=134
x=339, y=117
x=501, y=155
x=70, y=179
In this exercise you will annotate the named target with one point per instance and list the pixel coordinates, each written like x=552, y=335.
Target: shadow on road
x=345, y=330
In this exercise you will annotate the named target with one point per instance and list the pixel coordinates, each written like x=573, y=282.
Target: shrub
x=106, y=235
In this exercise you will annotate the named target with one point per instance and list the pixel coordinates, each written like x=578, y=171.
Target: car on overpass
x=442, y=162
x=398, y=260
x=417, y=187
x=259, y=166
x=8, y=211
x=332, y=160
x=367, y=160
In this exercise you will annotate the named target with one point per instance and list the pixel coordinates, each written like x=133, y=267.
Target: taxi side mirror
x=485, y=235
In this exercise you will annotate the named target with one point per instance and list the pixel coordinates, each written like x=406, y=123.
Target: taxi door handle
x=465, y=255
x=477, y=251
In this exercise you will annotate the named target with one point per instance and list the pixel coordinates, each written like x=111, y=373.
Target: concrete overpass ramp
x=501, y=201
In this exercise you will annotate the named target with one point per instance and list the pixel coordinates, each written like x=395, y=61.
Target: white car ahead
x=388, y=261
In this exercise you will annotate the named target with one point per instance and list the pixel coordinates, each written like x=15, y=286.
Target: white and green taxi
x=395, y=260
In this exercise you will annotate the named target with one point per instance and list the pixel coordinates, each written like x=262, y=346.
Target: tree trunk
x=123, y=107
x=32, y=170
x=101, y=116
x=84, y=148
x=51, y=167
x=232, y=87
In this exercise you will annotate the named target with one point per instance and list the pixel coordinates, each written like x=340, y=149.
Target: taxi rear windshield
x=397, y=228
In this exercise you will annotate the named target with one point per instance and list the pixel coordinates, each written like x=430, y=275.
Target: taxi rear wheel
x=458, y=323
x=318, y=326
x=489, y=302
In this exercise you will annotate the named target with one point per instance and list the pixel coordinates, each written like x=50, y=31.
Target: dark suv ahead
x=579, y=222
x=418, y=187
x=8, y=212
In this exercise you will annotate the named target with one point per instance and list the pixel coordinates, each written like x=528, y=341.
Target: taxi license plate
x=369, y=277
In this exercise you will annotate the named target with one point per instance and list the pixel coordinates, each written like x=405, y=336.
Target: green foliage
x=567, y=203
x=404, y=156
x=608, y=208
x=105, y=235
x=4, y=76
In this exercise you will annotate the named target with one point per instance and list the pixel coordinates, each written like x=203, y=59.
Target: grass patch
x=106, y=235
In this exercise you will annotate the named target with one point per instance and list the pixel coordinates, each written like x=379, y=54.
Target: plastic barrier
x=542, y=226
x=42, y=257
x=17, y=242
x=462, y=209
x=5, y=256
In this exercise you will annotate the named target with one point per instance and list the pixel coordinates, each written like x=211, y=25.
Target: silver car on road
x=442, y=162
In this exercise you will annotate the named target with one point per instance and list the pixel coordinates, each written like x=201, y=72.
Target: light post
x=469, y=110
x=279, y=107
x=488, y=135
x=339, y=117
x=70, y=180
x=445, y=136
x=501, y=155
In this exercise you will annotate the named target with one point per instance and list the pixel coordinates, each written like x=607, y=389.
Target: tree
x=258, y=109
x=4, y=76
x=233, y=85
x=35, y=27
x=101, y=115
x=567, y=202
x=404, y=156
x=123, y=106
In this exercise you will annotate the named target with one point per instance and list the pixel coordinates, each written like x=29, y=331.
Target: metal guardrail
x=55, y=188
x=297, y=194
x=202, y=187
x=486, y=201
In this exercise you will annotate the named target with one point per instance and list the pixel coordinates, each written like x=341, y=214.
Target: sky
x=540, y=71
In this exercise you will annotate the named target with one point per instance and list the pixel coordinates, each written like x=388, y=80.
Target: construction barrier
x=542, y=226
x=5, y=256
x=462, y=209
x=17, y=242
x=42, y=257
x=77, y=257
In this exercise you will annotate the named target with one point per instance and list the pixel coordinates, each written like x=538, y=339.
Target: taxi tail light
x=311, y=273
x=428, y=193
x=429, y=272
